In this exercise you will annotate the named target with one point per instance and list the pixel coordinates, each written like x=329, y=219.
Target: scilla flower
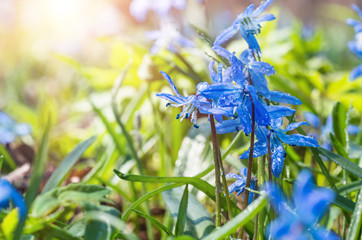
x=9, y=193
x=298, y=219
x=248, y=23
x=9, y=129
x=239, y=185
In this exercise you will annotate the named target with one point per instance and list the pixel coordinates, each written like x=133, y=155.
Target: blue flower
x=299, y=219
x=168, y=36
x=9, y=129
x=239, y=185
x=8, y=193
x=277, y=137
x=140, y=8
x=326, y=129
x=356, y=46
x=192, y=104
x=248, y=23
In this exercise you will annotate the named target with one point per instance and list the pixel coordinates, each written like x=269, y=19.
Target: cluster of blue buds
x=356, y=45
x=299, y=219
x=239, y=89
x=10, y=129
x=9, y=193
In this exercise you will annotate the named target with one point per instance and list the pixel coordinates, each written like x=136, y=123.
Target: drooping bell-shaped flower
x=356, y=45
x=239, y=185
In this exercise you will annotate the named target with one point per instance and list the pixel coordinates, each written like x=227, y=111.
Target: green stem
x=217, y=171
x=228, y=202
x=130, y=145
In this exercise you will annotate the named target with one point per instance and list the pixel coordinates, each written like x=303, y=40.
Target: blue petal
x=233, y=175
x=293, y=126
x=261, y=8
x=276, y=197
x=226, y=34
x=353, y=129
x=357, y=10
x=222, y=52
x=251, y=40
x=279, y=111
x=322, y=233
x=228, y=126
x=356, y=73
x=312, y=119
x=259, y=82
x=263, y=67
x=237, y=70
x=265, y=18
x=260, y=149
x=297, y=140
x=277, y=157
x=214, y=91
x=8, y=192
x=172, y=98
x=261, y=114
x=22, y=129
x=169, y=80
x=282, y=97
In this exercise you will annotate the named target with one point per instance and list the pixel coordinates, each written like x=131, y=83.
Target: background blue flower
x=9, y=129
x=299, y=219
x=9, y=193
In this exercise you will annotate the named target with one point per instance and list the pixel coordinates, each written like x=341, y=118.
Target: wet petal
x=282, y=97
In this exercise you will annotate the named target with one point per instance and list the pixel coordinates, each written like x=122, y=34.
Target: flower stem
x=215, y=146
x=228, y=202
x=269, y=158
x=251, y=153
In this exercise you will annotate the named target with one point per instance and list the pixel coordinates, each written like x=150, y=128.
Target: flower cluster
x=241, y=88
x=7, y=193
x=299, y=219
x=9, y=129
x=356, y=45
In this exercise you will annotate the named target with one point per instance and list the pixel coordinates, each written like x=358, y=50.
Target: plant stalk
x=269, y=158
x=215, y=146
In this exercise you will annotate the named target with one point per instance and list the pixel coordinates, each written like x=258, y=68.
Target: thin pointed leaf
x=182, y=212
x=340, y=123
x=156, y=223
x=343, y=162
x=240, y=220
x=354, y=231
x=66, y=165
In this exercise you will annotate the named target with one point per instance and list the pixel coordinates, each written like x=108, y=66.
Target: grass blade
x=354, y=230
x=66, y=165
x=36, y=176
x=343, y=162
x=182, y=212
x=238, y=221
x=157, y=224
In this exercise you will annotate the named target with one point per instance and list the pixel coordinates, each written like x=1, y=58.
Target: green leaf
x=182, y=212
x=343, y=162
x=238, y=221
x=344, y=203
x=148, y=196
x=159, y=225
x=200, y=184
x=96, y=229
x=52, y=231
x=66, y=165
x=340, y=123
x=8, y=159
x=36, y=175
x=64, y=196
x=198, y=223
x=353, y=186
x=354, y=231
x=112, y=221
x=338, y=146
